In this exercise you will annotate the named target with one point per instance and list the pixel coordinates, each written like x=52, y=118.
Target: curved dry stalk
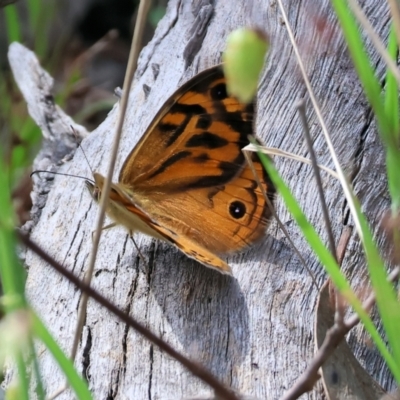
x=133, y=57
x=220, y=389
x=302, y=111
x=377, y=42
x=341, y=175
x=274, y=151
x=395, y=11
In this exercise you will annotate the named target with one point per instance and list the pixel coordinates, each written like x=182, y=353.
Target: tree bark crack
x=203, y=12
x=359, y=151
x=86, y=355
x=151, y=361
x=71, y=244
x=150, y=263
x=154, y=44
x=122, y=369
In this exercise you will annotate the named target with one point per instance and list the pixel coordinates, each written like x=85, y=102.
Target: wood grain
x=253, y=331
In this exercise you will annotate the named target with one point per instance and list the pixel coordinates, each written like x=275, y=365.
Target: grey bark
x=253, y=331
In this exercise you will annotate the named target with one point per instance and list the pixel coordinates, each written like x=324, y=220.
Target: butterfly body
x=187, y=181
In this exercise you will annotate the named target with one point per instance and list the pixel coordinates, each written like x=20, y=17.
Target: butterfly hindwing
x=224, y=218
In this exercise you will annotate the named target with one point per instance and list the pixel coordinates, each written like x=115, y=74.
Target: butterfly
x=187, y=182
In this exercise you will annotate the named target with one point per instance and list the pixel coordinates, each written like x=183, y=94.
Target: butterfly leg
x=137, y=248
x=104, y=228
x=109, y=226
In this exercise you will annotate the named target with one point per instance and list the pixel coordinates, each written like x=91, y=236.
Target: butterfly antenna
x=83, y=151
x=41, y=171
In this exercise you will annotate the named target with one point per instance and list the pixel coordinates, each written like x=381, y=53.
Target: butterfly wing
x=187, y=180
x=194, y=141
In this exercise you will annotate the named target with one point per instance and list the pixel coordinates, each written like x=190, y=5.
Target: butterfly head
x=93, y=190
x=95, y=186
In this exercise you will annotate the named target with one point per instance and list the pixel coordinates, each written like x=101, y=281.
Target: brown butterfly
x=187, y=181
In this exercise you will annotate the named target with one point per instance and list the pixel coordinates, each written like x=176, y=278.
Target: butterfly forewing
x=194, y=142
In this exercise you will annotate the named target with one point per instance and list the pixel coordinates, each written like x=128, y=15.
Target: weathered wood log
x=253, y=331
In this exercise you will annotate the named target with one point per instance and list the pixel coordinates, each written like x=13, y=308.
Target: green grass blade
x=12, y=24
x=386, y=300
x=366, y=74
x=327, y=260
x=391, y=95
x=388, y=127
x=34, y=7
x=78, y=385
x=38, y=379
x=39, y=22
x=13, y=278
x=392, y=113
x=11, y=273
x=23, y=390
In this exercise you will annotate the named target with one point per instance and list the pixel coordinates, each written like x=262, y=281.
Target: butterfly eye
x=218, y=92
x=237, y=209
